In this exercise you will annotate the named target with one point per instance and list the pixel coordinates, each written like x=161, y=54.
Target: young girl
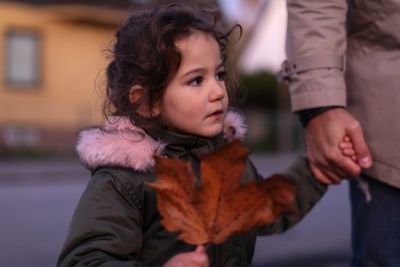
x=169, y=96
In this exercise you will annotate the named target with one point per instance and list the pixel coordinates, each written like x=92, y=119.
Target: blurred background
x=53, y=55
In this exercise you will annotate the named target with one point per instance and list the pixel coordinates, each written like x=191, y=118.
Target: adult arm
x=316, y=41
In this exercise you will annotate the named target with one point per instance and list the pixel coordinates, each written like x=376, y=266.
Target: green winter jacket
x=116, y=222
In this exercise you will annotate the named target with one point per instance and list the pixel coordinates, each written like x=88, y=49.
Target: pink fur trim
x=234, y=127
x=119, y=143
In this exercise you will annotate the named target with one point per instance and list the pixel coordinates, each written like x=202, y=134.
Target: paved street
x=38, y=198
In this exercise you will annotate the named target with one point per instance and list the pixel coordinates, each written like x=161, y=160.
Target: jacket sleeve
x=106, y=228
x=316, y=42
x=309, y=192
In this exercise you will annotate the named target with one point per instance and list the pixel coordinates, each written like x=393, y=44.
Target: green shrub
x=260, y=90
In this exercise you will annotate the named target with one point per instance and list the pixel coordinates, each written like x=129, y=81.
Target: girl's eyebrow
x=200, y=70
x=197, y=70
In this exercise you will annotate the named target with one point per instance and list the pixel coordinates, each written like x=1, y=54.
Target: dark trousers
x=375, y=225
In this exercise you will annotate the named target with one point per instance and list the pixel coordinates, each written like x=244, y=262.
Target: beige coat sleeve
x=316, y=42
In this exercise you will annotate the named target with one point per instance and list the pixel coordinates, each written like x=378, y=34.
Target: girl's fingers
x=200, y=249
x=348, y=152
x=200, y=256
x=344, y=145
x=200, y=259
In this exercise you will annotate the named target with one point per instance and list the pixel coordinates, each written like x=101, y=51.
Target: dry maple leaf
x=221, y=205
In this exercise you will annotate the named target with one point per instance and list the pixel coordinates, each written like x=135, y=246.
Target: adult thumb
x=360, y=147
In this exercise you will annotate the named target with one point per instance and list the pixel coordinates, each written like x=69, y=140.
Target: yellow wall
x=73, y=63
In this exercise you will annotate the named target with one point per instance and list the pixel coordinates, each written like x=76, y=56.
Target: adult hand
x=197, y=258
x=323, y=135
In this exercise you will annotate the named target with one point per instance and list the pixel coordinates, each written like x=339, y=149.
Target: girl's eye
x=220, y=76
x=196, y=81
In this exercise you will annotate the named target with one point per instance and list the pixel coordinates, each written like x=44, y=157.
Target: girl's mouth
x=215, y=113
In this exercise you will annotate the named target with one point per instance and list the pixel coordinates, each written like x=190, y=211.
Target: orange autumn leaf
x=220, y=205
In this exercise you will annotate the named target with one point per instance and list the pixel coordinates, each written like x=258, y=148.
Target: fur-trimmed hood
x=120, y=143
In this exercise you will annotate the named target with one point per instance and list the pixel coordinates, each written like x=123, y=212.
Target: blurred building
x=50, y=57
x=53, y=54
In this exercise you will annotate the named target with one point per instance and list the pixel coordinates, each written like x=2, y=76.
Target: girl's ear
x=136, y=93
x=138, y=97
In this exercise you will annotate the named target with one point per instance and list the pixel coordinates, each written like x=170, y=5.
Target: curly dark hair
x=145, y=54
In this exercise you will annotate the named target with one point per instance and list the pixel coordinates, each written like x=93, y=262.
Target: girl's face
x=196, y=101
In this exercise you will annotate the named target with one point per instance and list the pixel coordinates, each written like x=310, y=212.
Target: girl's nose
x=217, y=92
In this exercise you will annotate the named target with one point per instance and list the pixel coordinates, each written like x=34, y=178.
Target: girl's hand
x=346, y=146
x=197, y=258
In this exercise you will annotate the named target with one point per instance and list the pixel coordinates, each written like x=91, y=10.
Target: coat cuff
x=297, y=66
x=317, y=88
x=315, y=81
x=306, y=115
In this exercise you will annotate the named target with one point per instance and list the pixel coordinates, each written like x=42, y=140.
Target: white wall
x=266, y=48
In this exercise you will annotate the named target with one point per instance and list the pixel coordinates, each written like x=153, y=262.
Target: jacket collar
x=179, y=145
x=120, y=143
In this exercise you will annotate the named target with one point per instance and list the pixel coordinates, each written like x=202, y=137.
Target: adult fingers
x=334, y=174
x=360, y=146
x=320, y=176
x=345, y=166
x=334, y=165
x=321, y=167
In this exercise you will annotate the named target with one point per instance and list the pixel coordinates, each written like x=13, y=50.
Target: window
x=20, y=136
x=22, y=59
